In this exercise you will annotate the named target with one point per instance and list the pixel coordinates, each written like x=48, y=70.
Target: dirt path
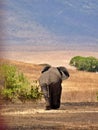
x=70, y=116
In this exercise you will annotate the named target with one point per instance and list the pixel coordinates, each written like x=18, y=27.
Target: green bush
x=32, y=94
x=16, y=86
x=97, y=95
x=85, y=63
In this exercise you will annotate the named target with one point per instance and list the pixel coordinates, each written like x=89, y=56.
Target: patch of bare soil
x=70, y=116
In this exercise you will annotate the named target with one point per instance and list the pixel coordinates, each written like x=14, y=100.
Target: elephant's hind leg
x=56, y=96
x=45, y=90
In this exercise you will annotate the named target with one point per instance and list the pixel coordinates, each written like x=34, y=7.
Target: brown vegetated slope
x=81, y=86
x=78, y=111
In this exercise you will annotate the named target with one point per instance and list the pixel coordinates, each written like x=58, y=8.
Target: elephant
x=50, y=82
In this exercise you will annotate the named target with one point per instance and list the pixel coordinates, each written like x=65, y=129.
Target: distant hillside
x=32, y=71
x=50, y=25
x=81, y=86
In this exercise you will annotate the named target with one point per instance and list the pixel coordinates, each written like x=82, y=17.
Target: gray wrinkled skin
x=50, y=82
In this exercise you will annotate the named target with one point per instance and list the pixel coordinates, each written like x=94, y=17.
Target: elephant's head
x=63, y=71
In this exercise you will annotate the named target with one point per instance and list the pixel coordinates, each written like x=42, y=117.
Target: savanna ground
x=78, y=111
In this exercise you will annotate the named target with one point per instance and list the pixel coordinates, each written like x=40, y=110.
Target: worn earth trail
x=70, y=116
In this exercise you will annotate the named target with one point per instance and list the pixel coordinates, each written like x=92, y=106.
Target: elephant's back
x=50, y=76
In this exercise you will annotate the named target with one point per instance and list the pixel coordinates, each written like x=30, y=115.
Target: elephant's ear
x=46, y=68
x=64, y=72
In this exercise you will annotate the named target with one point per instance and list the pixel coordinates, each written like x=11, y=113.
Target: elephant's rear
x=50, y=82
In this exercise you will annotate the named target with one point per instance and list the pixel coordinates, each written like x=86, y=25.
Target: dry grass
x=80, y=87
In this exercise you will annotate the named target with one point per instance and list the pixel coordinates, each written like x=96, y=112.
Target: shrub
x=97, y=95
x=32, y=94
x=16, y=86
x=85, y=63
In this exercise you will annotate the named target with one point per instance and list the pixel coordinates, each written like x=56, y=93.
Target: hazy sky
x=49, y=23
